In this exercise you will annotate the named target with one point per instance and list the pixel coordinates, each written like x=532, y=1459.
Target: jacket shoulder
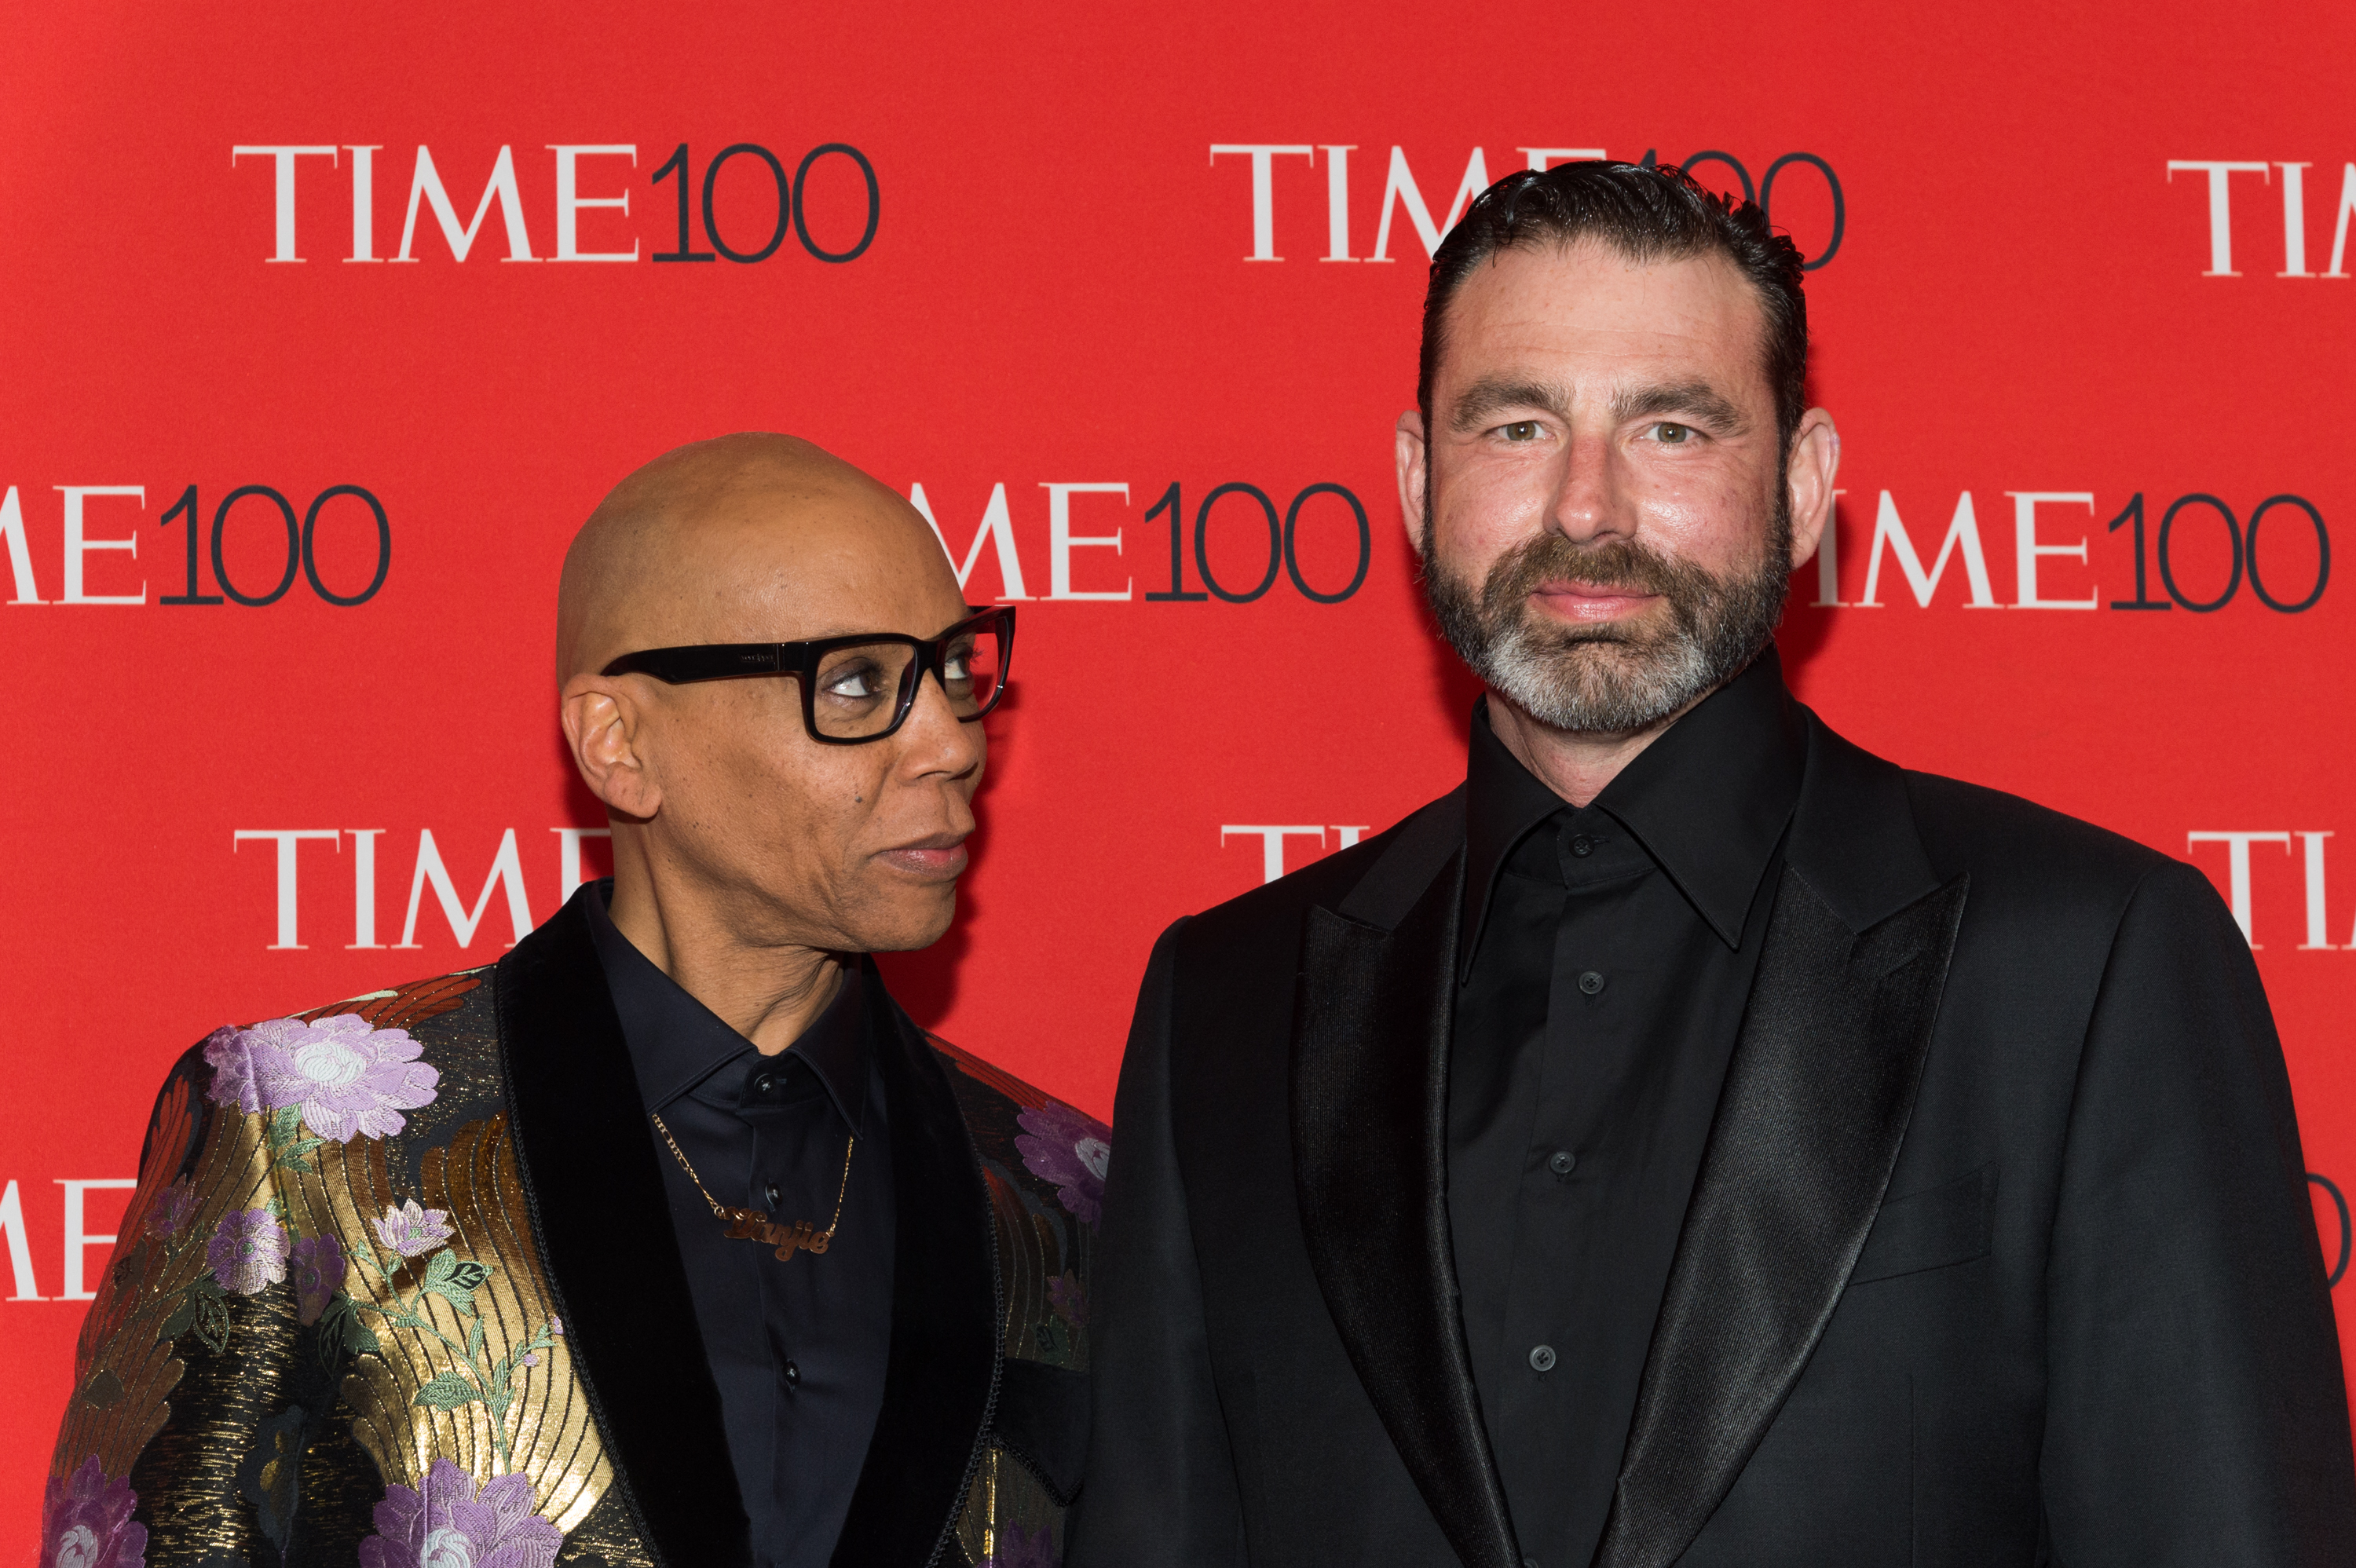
x=1273, y=911
x=1971, y=828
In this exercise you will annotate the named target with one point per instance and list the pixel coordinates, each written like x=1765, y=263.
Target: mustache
x=1625, y=564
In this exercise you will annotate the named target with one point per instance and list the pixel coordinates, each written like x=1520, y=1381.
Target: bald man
x=668, y=1239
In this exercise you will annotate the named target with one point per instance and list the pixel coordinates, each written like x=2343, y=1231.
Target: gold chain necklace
x=751, y=1224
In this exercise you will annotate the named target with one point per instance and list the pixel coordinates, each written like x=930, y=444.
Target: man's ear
x=1414, y=459
x=605, y=728
x=1816, y=460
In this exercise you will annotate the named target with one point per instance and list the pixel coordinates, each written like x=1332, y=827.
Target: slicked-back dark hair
x=1647, y=215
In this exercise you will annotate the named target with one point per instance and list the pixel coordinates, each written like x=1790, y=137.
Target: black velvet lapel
x=942, y=1380
x=1816, y=1104
x=587, y=1161
x=1369, y=1081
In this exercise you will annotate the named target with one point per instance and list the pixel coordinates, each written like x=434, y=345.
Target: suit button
x=1542, y=1359
x=1562, y=1162
x=1582, y=846
x=793, y=1375
x=1590, y=983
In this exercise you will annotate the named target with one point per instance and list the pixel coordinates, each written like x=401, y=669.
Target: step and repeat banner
x=324, y=329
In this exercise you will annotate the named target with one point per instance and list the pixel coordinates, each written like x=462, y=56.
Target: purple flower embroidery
x=447, y=1523
x=248, y=1251
x=318, y=1265
x=347, y=1078
x=1069, y=1298
x=411, y=1231
x=171, y=1210
x=1071, y=1149
x=86, y=1522
x=1020, y=1548
x=556, y=1327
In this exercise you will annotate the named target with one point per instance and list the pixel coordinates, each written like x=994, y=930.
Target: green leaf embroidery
x=212, y=1322
x=448, y=1392
x=474, y=1340
x=360, y=1339
x=439, y=1268
x=469, y=1276
x=183, y=1318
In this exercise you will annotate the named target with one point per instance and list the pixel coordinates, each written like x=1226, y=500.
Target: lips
x=1590, y=601
x=939, y=857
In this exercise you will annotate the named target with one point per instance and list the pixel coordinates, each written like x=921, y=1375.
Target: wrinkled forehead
x=1590, y=310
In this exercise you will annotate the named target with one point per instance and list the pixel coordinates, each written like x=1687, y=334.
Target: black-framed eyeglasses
x=861, y=686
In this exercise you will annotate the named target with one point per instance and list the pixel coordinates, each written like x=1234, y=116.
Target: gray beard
x=1610, y=678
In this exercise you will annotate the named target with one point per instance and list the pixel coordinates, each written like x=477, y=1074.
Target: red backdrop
x=1074, y=303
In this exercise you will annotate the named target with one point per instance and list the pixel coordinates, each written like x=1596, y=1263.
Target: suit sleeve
x=1160, y=1487
x=186, y=1381
x=2196, y=1410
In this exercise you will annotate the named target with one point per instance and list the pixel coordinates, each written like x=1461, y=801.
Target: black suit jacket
x=2000, y=1251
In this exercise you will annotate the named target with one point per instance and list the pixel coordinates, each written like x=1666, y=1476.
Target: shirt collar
x=1708, y=800
x=676, y=1043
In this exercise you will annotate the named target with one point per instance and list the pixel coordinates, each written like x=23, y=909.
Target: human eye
x=1521, y=432
x=852, y=680
x=1670, y=433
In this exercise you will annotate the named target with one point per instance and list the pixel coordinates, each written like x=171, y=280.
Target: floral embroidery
x=86, y=1522
x=1070, y=1299
x=173, y=1206
x=342, y=1076
x=318, y=1265
x=1071, y=1149
x=445, y=1522
x=1020, y=1548
x=248, y=1252
x=411, y=1230
x=479, y=1376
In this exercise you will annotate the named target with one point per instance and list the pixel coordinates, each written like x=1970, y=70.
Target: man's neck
x=1577, y=764
x=770, y=994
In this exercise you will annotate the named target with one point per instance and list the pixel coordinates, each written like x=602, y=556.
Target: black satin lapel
x=587, y=1161
x=1816, y=1101
x=1370, y=1159
x=942, y=1377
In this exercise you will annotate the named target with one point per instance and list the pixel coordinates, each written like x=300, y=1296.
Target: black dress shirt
x=797, y=1348
x=1606, y=954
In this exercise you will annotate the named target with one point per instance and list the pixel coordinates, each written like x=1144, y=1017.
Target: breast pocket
x=1935, y=1228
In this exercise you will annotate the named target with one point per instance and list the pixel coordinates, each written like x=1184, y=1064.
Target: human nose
x=934, y=739
x=1590, y=505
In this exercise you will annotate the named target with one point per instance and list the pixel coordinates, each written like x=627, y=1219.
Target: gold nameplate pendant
x=752, y=1225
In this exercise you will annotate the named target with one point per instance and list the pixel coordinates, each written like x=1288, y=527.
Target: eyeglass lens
x=859, y=689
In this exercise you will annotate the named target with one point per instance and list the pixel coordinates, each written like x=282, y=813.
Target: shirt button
x=775, y=1198
x=1582, y=846
x=1542, y=1359
x=1562, y=1162
x=1591, y=982
x=794, y=1374
x=763, y=1082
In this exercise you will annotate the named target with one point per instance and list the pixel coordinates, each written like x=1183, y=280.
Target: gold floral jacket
x=399, y=1287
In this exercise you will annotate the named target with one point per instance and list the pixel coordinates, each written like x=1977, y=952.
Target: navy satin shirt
x=1607, y=953
x=797, y=1348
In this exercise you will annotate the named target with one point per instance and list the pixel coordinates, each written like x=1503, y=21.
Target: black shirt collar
x=676, y=1043
x=1708, y=800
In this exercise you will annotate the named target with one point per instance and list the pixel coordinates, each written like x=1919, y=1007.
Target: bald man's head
x=721, y=798
x=710, y=543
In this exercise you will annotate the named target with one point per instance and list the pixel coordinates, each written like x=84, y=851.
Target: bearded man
x=668, y=1239
x=1695, y=1140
